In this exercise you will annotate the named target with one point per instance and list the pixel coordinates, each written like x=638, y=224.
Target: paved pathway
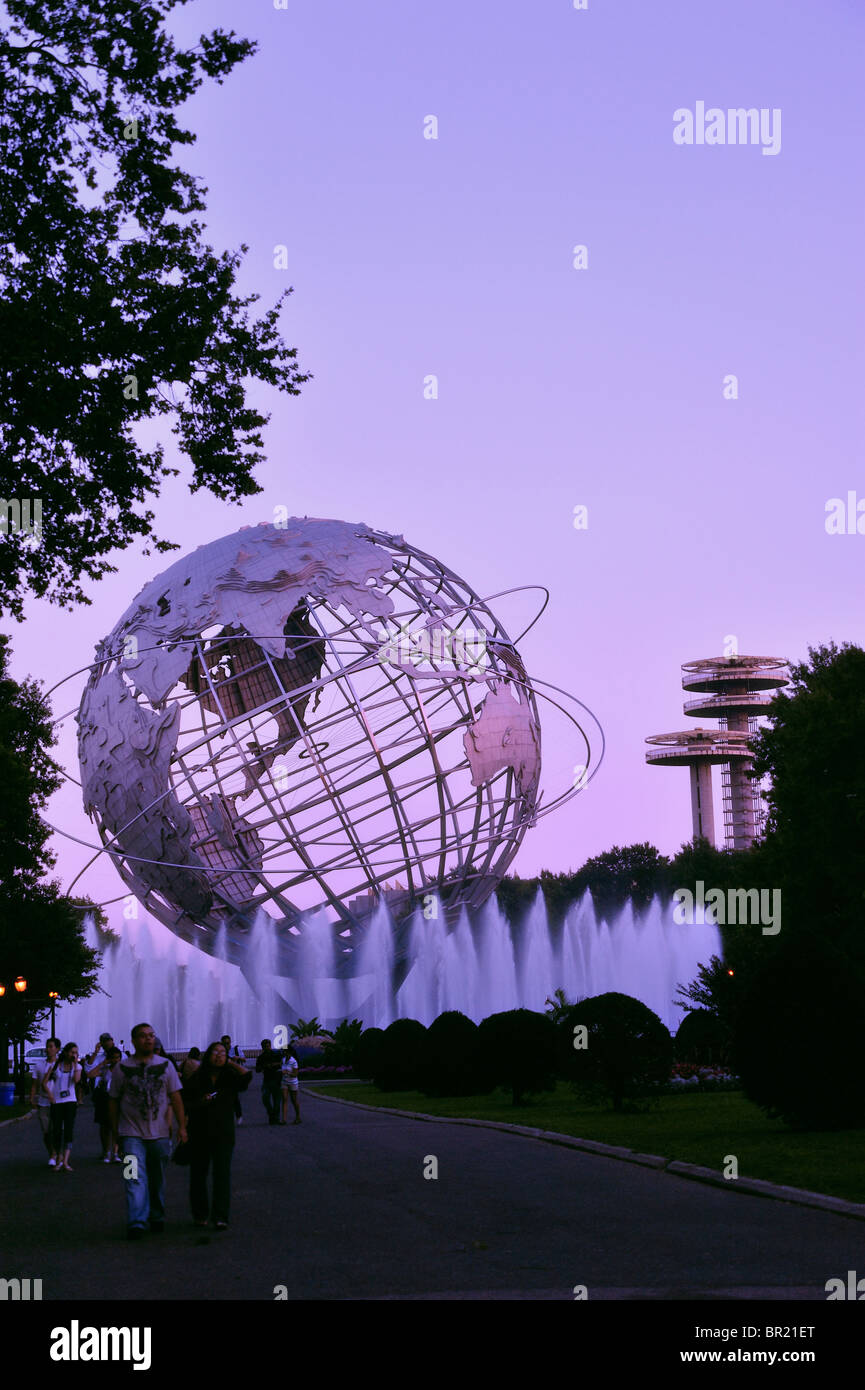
x=338, y=1208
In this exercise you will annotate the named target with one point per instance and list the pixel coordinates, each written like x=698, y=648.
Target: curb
x=753, y=1187
x=17, y=1120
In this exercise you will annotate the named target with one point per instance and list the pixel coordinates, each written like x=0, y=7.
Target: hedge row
x=610, y=1045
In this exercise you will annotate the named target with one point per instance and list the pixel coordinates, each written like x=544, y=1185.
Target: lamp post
x=19, y=984
x=53, y=996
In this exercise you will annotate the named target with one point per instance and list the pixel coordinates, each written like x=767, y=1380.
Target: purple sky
x=557, y=386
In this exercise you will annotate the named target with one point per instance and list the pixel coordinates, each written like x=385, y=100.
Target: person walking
x=234, y=1054
x=144, y=1091
x=269, y=1063
x=290, y=1086
x=60, y=1085
x=94, y=1060
x=40, y=1099
x=100, y=1077
x=212, y=1093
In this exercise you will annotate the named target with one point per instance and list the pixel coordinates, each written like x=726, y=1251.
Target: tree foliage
x=41, y=931
x=796, y=1045
x=518, y=1051
x=398, y=1059
x=451, y=1061
x=113, y=309
x=340, y=1049
x=814, y=752
x=624, y=1052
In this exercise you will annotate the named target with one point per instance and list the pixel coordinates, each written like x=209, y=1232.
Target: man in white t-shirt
x=144, y=1090
x=38, y=1071
x=290, y=1087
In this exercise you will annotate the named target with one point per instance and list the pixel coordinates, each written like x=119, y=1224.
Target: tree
x=309, y=1028
x=634, y=871
x=367, y=1053
x=41, y=932
x=340, y=1049
x=41, y=938
x=814, y=753
x=398, y=1061
x=451, y=1062
x=518, y=1050
x=716, y=991
x=28, y=776
x=624, y=1052
x=701, y=1038
x=113, y=310
x=796, y=1041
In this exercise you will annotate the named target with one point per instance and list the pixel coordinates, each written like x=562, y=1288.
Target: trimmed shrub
x=451, y=1061
x=518, y=1050
x=628, y=1052
x=367, y=1052
x=702, y=1037
x=398, y=1064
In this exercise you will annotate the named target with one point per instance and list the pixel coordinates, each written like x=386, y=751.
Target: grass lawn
x=696, y=1128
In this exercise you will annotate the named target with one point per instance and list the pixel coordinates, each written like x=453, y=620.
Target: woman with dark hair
x=210, y=1095
x=59, y=1085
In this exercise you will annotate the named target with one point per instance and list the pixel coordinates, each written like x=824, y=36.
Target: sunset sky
x=558, y=387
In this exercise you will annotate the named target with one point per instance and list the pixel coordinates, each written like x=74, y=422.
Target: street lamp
x=53, y=996
x=19, y=984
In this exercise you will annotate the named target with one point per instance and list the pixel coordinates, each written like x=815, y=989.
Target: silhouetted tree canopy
x=113, y=310
x=41, y=933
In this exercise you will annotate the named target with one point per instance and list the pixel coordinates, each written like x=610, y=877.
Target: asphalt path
x=338, y=1207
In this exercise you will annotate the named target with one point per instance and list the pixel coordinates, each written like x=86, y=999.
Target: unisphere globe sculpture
x=307, y=715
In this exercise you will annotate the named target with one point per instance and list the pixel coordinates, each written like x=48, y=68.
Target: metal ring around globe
x=231, y=773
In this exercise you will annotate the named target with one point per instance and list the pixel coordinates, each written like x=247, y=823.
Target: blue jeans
x=145, y=1192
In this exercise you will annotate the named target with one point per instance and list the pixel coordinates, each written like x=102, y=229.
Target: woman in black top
x=209, y=1096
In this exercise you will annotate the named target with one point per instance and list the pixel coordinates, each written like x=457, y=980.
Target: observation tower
x=735, y=690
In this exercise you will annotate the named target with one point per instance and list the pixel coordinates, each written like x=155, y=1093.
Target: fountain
x=481, y=966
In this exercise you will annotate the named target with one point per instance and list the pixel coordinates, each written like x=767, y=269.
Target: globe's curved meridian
x=250, y=741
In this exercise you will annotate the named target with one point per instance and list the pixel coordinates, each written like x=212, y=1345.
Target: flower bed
x=691, y=1076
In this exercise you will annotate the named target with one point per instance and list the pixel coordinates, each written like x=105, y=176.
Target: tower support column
x=702, y=809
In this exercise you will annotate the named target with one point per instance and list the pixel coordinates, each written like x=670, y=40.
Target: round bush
x=366, y=1054
x=627, y=1050
x=701, y=1037
x=518, y=1050
x=398, y=1064
x=451, y=1062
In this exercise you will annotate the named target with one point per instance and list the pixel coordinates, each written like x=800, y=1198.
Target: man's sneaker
x=52, y=1162
x=118, y=1158
x=107, y=1158
x=134, y=1232
x=240, y=1119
